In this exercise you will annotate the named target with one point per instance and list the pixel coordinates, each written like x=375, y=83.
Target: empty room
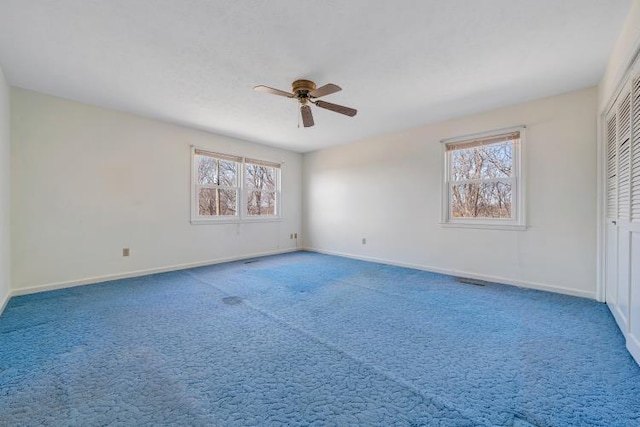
x=327, y=213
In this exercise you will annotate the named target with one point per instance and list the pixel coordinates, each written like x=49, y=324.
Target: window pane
x=207, y=170
x=481, y=200
x=484, y=162
x=227, y=173
x=207, y=202
x=261, y=203
x=260, y=177
x=217, y=202
x=212, y=171
x=228, y=202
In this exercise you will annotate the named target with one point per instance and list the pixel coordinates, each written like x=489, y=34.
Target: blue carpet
x=310, y=339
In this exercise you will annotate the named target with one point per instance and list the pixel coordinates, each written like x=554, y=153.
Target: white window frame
x=245, y=191
x=518, y=214
x=242, y=215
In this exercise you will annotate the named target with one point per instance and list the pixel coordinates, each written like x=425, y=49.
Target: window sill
x=265, y=219
x=484, y=226
x=201, y=221
x=214, y=221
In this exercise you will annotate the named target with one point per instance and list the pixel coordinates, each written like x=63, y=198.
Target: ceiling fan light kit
x=305, y=91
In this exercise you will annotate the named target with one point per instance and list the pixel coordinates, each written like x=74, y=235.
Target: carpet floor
x=310, y=339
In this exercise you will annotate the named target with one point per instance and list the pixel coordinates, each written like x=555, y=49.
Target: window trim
x=242, y=216
x=518, y=220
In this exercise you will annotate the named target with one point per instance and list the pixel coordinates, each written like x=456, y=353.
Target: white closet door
x=624, y=204
x=633, y=333
x=622, y=199
x=611, y=230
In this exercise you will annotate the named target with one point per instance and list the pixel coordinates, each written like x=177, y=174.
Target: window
x=232, y=188
x=216, y=184
x=261, y=179
x=483, y=185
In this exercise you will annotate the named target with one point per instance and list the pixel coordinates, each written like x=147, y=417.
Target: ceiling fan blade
x=327, y=89
x=337, y=108
x=307, y=116
x=267, y=89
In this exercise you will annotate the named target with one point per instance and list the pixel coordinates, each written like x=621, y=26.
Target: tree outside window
x=227, y=187
x=261, y=186
x=483, y=182
x=217, y=186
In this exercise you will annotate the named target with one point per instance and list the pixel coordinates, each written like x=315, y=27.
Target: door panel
x=634, y=303
x=622, y=294
x=611, y=264
x=611, y=208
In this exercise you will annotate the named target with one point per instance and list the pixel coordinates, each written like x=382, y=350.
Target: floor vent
x=468, y=281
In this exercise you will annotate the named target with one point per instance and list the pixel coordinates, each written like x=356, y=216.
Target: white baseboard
x=4, y=301
x=618, y=317
x=138, y=273
x=633, y=345
x=466, y=274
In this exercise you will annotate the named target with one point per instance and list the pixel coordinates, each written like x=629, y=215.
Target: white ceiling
x=401, y=63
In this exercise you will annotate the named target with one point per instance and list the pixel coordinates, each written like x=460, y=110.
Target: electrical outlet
x=125, y=251
x=291, y=236
x=295, y=235
x=364, y=240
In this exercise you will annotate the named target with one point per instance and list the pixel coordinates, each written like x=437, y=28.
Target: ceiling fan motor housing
x=302, y=88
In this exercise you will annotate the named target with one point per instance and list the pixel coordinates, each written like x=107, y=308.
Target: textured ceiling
x=400, y=63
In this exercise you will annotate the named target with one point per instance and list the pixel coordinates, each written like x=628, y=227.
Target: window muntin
x=233, y=188
x=483, y=185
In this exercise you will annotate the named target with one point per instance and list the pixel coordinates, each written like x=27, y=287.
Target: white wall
x=388, y=190
x=87, y=182
x=5, y=269
x=621, y=56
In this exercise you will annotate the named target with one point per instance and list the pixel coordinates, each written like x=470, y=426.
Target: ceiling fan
x=305, y=92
